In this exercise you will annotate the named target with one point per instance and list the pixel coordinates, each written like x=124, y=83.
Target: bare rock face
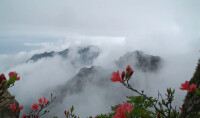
x=191, y=105
x=5, y=112
x=141, y=61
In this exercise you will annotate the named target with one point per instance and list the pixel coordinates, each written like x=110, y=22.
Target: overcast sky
x=144, y=24
x=97, y=17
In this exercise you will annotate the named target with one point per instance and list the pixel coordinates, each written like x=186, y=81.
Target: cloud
x=110, y=18
x=46, y=74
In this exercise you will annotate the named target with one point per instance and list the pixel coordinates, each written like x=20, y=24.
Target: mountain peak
x=140, y=61
x=79, y=56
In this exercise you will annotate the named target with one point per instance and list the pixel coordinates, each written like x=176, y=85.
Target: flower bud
x=65, y=112
x=123, y=75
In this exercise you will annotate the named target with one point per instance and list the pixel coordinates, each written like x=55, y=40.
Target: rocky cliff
x=191, y=106
x=5, y=112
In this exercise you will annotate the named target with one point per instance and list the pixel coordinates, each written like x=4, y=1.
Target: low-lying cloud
x=44, y=76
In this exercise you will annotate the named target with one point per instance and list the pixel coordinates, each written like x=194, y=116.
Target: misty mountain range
x=93, y=75
x=84, y=55
x=98, y=76
x=91, y=81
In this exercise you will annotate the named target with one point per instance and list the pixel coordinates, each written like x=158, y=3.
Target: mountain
x=140, y=61
x=91, y=86
x=99, y=77
x=81, y=56
x=37, y=57
x=85, y=77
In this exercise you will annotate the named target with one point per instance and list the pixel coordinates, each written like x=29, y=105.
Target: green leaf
x=173, y=91
x=12, y=79
x=4, y=83
x=169, y=90
x=72, y=109
x=197, y=91
x=163, y=101
x=127, y=74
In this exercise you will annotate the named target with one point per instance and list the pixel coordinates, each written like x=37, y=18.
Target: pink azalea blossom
x=12, y=107
x=36, y=116
x=116, y=77
x=2, y=77
x=181, y=109
x=20, y=108
x=45, y=101
x=25, y=116
x=120, y=112
x=123, y=75
x=12, y=74
x=15, y=109
x=158, y=115
x=40, y=100
x=193, y=87
x=18, y=78
x=127, y=107
x=35, y=106
x=185, y=86
x=123, y=110
x=65, y=112
x=129, y=70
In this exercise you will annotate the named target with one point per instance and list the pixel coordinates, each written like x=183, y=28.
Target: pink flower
x=18, y=78
x=40, y=101
x=36, y=116
x=123, y=110
x=123, y=75
x=65, y=112
x=120, y=113
x=158, y=115
x=20, y=108
x=45, y=101
x=193, y=87
x=116, y=77
x=12, y=107
x=181, y=109
x=129, y=71
x=2, y=77
x=12, y=74
x=35, y=106
x=127, y=107
x=185, y=86
x=128, y=68
x=25, y=116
